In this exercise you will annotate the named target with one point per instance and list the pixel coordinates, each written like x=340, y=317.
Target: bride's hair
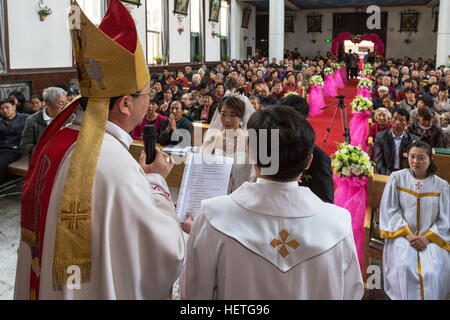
x=235, y=104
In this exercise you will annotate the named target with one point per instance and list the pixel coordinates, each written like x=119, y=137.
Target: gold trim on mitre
x=105, y=70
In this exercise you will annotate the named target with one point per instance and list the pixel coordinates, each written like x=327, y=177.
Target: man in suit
x=391, y=145
x=318, y=177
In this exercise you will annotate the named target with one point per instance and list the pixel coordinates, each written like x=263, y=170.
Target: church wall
x=423, y=43
x=34, y=44
x=212, y=44
x=179, y=44
x=238, y=46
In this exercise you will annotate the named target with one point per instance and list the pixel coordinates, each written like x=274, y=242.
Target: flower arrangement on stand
x=359, y=128
x=337, y=76
x=343, y=71
x=367, y=73
x=329, y=88
x=351, y=167
x=363, y=88
x=316, y=101
x=290, y=93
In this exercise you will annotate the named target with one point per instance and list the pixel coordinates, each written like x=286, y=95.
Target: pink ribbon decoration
x=363, y=92
x=378, y=43
x=337, y=79
x=351, y=194
x=359, y=129
x=329, y=87
x=315, y=100
x=343, y=72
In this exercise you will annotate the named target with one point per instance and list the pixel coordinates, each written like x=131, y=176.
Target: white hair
x=51, y=93
x=381, y=88
x=201, y=71
x=196, y=76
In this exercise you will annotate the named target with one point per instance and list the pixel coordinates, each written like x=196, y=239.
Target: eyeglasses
x=149, y=94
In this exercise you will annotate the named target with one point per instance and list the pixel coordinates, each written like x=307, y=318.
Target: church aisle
x=321, y=122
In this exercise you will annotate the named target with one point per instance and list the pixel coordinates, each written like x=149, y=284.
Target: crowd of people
x=411, y=107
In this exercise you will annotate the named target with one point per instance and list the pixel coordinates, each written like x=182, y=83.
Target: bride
x=227, y=136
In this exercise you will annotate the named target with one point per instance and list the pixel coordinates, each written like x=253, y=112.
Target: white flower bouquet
x=328, y=71
x=290, y=93
x=361, y=104
x=342, y=64
x=365, y=83
x=316, y=80
x=349, y=161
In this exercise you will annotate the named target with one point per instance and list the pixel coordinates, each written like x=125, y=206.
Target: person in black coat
x=177, y=124
x=390, y=146
x=318, y=177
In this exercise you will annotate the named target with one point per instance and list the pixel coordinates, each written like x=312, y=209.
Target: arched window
x=156, y=22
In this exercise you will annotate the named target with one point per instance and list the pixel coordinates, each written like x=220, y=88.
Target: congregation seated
x=424, y=102
x=151, y=117
x=55, y=100
x=158, y=90
x=188, y=73
x=378, y=101
x=169, y=133
x=410, y=101
x=265, y=97
x=426, y=130
x=382, y=119
x=37, y=103
x=442, y=102
x=390, y=145
x=206, y=110
x=21, y=103
x=177, y=89
x=388, y=102
x=164, y=104
x=256, y=102
x=72, y=93
x=12, y=124
x=181, y=79
x=278, y=92
x=196, y=79
x=402, y=93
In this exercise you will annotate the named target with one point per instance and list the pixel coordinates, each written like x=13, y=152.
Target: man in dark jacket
x=318, y=177
x=176, y=129
x=11, y=127
x=55, y=100
x=390, y=146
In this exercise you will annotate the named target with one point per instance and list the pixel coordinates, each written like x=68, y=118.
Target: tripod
x=344, y=121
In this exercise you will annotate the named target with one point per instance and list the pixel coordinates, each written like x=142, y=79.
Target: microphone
x=149, y=138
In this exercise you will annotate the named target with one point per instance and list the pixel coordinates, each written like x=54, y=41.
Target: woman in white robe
x=414, y=220
x=227, y=134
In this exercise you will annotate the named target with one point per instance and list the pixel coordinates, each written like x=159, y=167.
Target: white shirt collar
x=289, y=183
x=111, y=128
x=46, y=116
x=394, y=136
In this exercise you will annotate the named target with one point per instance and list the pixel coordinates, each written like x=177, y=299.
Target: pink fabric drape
x=329, y=87
x=351, y=194
x=316, y=100
x=338, y=79
x=359, y=129
x=343, y=73
x=363, y=92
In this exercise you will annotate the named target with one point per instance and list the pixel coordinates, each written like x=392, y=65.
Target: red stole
x=44, y=164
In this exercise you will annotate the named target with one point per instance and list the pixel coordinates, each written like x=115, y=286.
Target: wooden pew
x=442, y=161
x=373, y=244
x=19, y=167
x=175, y=176
x=198, y=126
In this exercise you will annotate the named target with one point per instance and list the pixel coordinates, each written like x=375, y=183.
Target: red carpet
x=321, y=122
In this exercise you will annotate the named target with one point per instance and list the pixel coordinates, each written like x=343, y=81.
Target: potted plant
x=225, y=57
x=44, y=12
x=198, y=58
x=159, y=59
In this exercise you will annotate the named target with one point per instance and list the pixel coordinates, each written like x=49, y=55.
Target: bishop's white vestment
x=419, y=207
x=270, y=240
x=137, y=245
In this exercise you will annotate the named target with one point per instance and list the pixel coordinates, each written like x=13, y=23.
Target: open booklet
x=205, y=176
